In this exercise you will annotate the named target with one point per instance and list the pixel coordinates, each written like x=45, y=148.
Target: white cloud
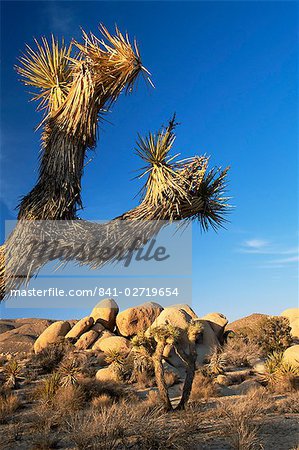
x=291, y=259
x=256, y=243
x=282, y=257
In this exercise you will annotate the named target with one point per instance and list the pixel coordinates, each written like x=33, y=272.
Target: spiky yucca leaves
x=217, y=362
x=47, y=69
x=12, y=371
x=48, y=387
x=280, y=375
x=74, y=91
x=178, y=190
x=69, y=371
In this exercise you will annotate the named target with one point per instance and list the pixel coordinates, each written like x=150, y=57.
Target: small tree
x=163, y=335
x=154, y=345
x=193, y=331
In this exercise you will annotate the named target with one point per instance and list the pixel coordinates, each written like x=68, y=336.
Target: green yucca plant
x=12, y=371
x=69, y=372
x=121, y=363
x=166, y=334
x=279, y=373
x=48, y=387
x=217, y=362
x=115, y=357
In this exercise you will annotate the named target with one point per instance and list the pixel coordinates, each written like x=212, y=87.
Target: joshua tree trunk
x=159, y=374
x=190, y=361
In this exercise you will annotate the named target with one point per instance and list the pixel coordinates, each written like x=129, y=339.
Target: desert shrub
x=68, y=398
x=152, y=400
x=271, y=334
x=279, y=375
x=143, y=368
x=289, y=404
x=121, y=363
x=9, y=403
x=240, y=415
x=137, y=367
x=202, y=387
x=239, y=351
x=93, y=388
x=50, y=357
x=92, y=429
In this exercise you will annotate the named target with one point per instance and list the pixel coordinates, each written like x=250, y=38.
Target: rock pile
x=108, y=330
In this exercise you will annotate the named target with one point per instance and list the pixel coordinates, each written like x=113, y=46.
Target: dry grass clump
x=238, y=351
x=240, y=415
x=102, y=401
x=43, y=426
x=153, y=400
x=9, y=403
x=69, y=398
x=102, y=429
x=202, y=387
x=124, y=425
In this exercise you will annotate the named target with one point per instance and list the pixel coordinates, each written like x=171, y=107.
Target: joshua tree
x=184, y=343
x=74, y=91
x=194, y=329
x=163, y=335
x=174, y=190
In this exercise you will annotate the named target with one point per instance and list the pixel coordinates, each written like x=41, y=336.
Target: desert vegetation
x=62, y=396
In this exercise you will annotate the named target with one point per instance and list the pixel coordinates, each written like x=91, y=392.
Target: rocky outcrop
x=107, y=374
x=291, y=355
x=113, y=343
x=137, y=319
x=102, y=335
x=187, y=309
x=19, y=335
x=217, y=322
x=86, y=340
x=292, y=314
x=54, y=333
x=251, y=322
x=105, y=312
x=81, y=327
x=207, y=343
x=172, y=315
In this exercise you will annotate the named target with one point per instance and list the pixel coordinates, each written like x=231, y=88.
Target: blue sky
x=229, y=70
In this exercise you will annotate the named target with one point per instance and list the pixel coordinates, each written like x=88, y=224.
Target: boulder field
x=107, y=330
